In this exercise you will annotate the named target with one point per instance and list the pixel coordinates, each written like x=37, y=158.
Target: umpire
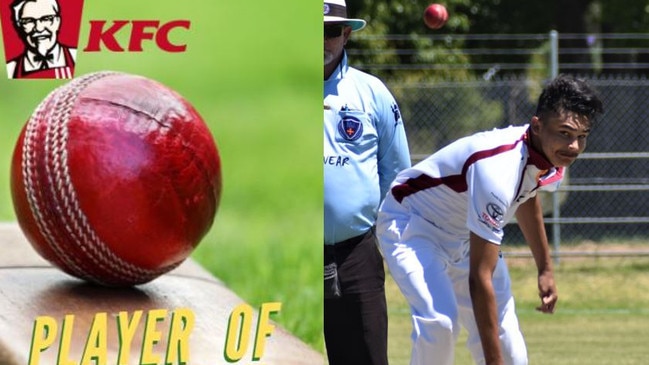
x=365, y=147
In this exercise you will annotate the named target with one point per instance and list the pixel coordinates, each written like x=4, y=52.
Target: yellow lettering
x=96, y=350
x=126, y=331
x=43, y=336
x=66, y=341
x=182, y=323
x=264, y=328
x=238, y=333
x=151, y=337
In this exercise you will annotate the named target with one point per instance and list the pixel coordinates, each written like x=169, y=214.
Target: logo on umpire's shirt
x=350, y=128
x=396, y=112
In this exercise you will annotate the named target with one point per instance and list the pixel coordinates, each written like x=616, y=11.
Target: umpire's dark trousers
x=356, y=324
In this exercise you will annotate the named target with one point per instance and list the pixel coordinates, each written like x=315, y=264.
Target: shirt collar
x=535, y=157
x=341, y=69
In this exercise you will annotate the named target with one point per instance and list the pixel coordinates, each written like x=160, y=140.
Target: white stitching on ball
x=61, y=187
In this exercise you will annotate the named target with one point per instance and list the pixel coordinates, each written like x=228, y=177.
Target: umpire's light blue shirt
x=365, y=147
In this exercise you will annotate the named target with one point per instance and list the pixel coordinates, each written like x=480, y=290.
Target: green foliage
x=464, y=106
x=623, y=16
x=506, y=16
x=414, y=43
x=410, y=42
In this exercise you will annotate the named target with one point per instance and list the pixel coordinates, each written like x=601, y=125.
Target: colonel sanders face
x=39, y=23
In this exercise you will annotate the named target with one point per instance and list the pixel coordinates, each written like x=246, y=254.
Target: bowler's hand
x=547, y=292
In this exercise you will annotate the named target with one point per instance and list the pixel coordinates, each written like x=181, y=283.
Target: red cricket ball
x=115, y=178
x=435, y=16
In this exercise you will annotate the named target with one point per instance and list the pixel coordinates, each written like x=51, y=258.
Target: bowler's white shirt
x=476, y=183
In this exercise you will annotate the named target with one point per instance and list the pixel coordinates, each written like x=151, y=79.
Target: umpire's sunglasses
x=333, y=31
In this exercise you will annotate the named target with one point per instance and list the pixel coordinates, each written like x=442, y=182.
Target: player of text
x=163, y=336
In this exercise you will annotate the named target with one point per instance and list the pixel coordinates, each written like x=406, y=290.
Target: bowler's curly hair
x=567, y=93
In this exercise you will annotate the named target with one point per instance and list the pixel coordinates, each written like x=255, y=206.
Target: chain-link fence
x=606, y=194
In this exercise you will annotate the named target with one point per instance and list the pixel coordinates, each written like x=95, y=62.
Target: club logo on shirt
x=350, y=128
x=493, y=217
x=396, y=112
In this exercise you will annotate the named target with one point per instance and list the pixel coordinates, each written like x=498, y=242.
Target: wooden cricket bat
x=186, y=316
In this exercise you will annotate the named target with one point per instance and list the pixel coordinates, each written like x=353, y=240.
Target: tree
x=580, y=23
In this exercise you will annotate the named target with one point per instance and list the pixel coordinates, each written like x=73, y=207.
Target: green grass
x=254, y=73
x=602, y=316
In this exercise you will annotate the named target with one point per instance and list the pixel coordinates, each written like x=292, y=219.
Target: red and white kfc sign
x=102, y=35
x=41, y=37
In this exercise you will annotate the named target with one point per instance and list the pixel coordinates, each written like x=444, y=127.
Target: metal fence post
x=554, y=53
x=556, y=212
x=445, y=97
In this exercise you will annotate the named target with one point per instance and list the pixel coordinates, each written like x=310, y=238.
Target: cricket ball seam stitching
x=63, y=106
x=56, y=139
x=85, y=236
x=30, y=178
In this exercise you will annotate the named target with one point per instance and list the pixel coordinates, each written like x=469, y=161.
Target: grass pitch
x=601, y=318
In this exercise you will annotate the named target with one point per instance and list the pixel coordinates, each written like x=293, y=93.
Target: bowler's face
x=562, y=137
x=40, y=25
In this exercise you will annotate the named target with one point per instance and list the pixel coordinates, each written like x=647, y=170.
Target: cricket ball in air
x=115, y=178
x=435, y=16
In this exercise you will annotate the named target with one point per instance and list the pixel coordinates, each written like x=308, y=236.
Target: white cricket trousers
x=432, y=269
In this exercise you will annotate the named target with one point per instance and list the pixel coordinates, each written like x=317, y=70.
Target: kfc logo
x=41, y=37
x=103, y=33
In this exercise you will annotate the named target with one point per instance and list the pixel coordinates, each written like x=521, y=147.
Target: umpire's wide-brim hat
x=335, y=11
